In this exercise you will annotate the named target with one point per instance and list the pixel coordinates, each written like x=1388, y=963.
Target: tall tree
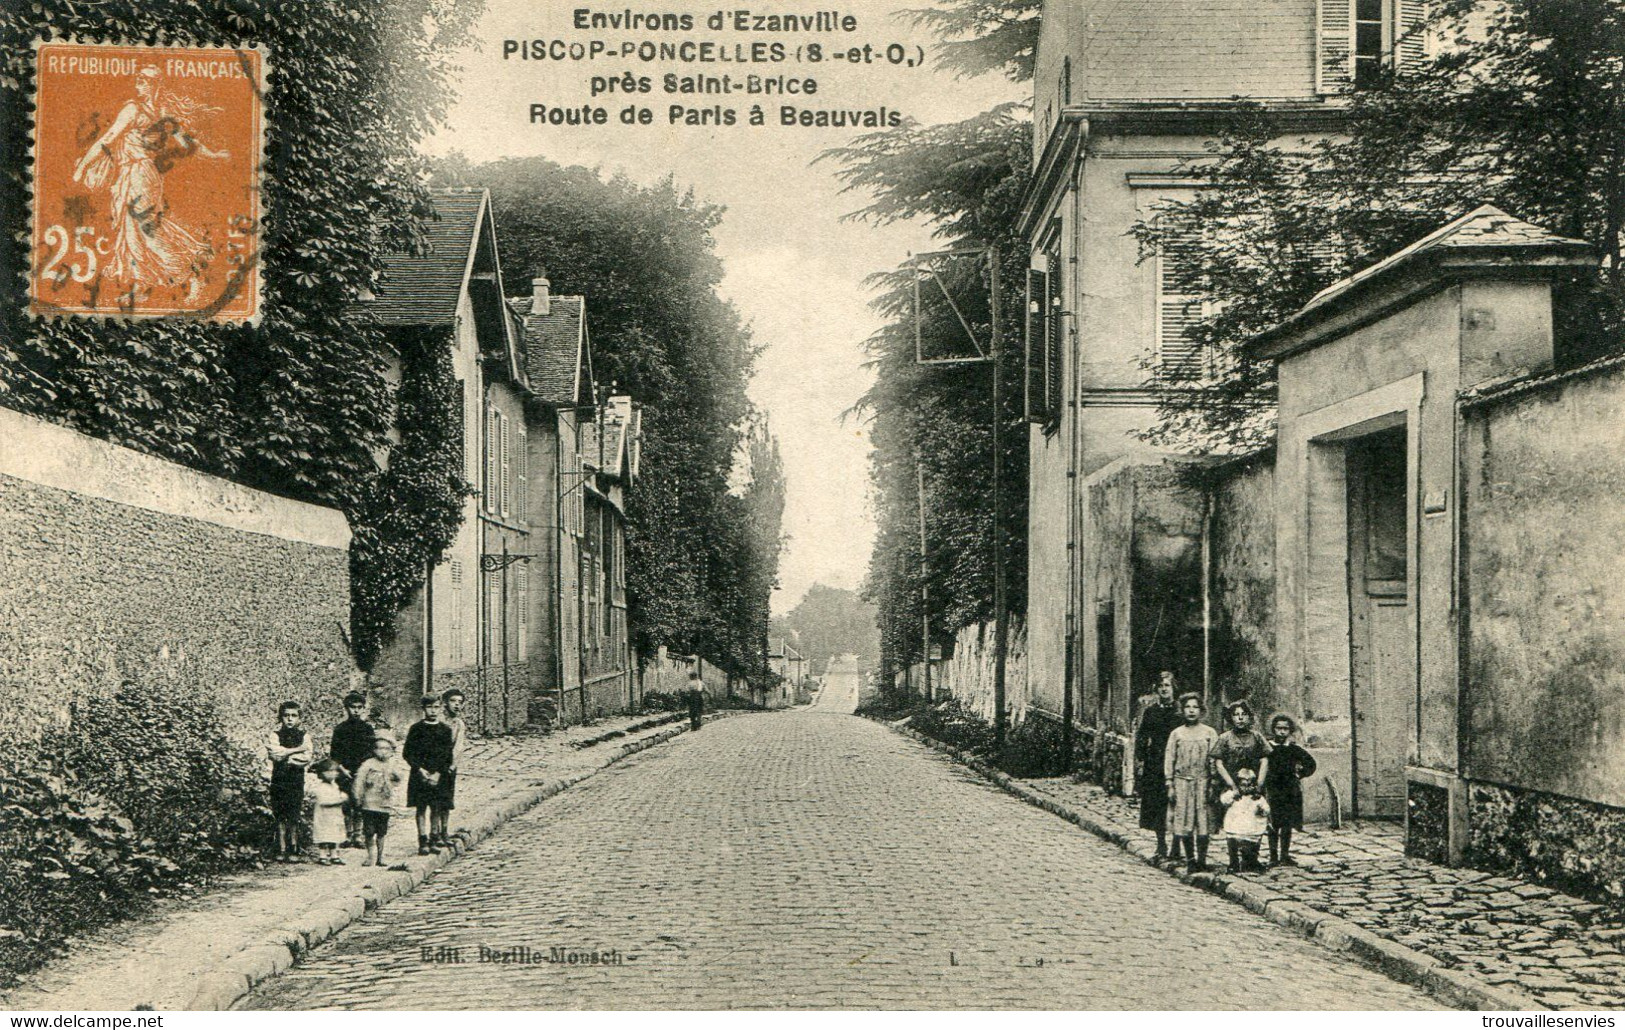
x=1522, y=106
x=932, y=426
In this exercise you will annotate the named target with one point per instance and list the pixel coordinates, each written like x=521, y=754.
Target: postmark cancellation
x=146, y=181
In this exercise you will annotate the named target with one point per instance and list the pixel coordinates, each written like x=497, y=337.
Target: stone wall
x=1241, y=585
x=1544, y=690
x=967, y=671
x=121, y=567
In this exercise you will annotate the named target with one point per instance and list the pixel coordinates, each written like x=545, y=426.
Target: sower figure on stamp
x=1186, y=766
x=151, y=131
x=1159, y=720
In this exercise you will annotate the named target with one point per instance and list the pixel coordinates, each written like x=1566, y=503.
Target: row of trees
x=932, y=424
x=702, y=558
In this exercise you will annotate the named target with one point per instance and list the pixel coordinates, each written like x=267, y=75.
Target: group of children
x=356, y=787
x=1256, y=782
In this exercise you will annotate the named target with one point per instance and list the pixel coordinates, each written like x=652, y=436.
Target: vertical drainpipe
x=557, y=629
x=1207, y=589
x=1074, y=566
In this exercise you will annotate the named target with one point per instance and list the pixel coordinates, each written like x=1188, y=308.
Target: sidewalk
x=190, y=951
x=1473, y=937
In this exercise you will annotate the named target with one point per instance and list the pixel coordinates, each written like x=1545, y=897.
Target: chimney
x=540, y=302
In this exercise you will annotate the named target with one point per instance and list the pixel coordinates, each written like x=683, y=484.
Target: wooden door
x=1382, y=645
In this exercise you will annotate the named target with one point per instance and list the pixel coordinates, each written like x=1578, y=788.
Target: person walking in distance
x=1159, y=720
x=696, y=699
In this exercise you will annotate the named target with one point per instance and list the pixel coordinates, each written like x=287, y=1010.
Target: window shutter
x=1411, y=39
x=1054, y=336
x=1336, y=30
x=491, y=442
x=522, y=503
x=459, y=415
x=523, y=577
x=1037, y=342
x=1180, y=358
x=507, y=481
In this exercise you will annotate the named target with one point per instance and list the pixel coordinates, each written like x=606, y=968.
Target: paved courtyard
x=811, y=859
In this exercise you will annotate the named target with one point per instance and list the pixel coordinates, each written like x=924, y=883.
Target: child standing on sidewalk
x=1245, y=820
x=287, y=750
x=1185, y=766
x=374, y=793
x=352, y=745
x=327, y=824
x=1289, y=766
x=453, y=701
x=429, y=751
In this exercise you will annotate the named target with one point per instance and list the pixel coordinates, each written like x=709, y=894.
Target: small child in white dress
x=1246, y=817
x=327, y=823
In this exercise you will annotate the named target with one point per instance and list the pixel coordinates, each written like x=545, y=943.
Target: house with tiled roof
x=587, y=441
x=500, y=616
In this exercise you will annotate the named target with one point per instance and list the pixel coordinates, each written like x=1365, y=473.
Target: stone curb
x=229, y=981
x=1394, y=960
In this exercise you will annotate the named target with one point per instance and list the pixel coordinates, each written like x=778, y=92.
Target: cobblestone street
x=812, y=859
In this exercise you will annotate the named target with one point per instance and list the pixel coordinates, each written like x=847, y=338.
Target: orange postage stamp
x=146, y=198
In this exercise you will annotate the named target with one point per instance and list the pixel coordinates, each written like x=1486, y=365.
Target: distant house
x=501, y=613
x=785, y=662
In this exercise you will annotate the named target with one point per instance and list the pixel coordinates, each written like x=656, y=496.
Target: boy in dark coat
x=351, y=746
x=430, y=751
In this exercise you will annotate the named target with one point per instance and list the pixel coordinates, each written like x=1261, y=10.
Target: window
x=1360, y=40
x=522, y=600
x=1045, y=329
x=1370, y=46
x=492, y=434
x=522, y=502
x=454, y=653
x=507, y=480
x=1180, y=308
x=493, y=618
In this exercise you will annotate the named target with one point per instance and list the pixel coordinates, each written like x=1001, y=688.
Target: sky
x=793, y=266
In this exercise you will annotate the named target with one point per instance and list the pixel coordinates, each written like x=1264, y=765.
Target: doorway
x=1382, y=647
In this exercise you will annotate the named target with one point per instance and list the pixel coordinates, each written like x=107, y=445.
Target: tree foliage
x=982, y=36
x=1522, y=106
x=298, y=405
x=827, y=622
x=932, y=426
x=644, y=258
x=747, y=548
